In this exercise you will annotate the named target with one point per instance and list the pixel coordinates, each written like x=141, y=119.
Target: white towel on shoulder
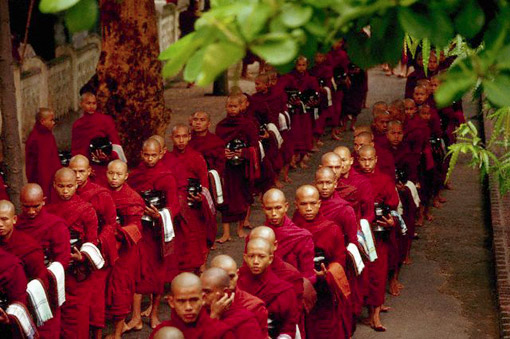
x=57, y=271
x=20, y=313
x=94, y=254
x=39, y=300
x=168, y=226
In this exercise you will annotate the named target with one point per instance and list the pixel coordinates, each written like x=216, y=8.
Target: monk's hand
x=221, y=305
x=195, y=198
x=229, y=154
x=265, y=135
x=100, y=156
x=387, y=221
x=152, y=212
x=322, y=272
x=295, y=101
x=76, y=255
x=4, y=318
x=400, y=186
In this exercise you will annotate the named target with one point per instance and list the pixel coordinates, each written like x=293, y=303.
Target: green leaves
x=294, y=15
x=498, y=90
x=458, y=81
x=275, y=48
x=414, y=23
x=252, y=18
x=217, y=58
x=54, y=6
x=82, y=16
x=470, y=19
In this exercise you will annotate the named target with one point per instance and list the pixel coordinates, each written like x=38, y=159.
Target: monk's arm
x=60, y=245
x=305, y=260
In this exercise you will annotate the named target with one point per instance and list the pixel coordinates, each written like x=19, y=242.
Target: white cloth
x=57, y=271
x=368, y=239
x=20, y=313
x=356, y=258
x=272, y=128
x=218, y=185
x=208, y=197
x=120, y=152
x=262, y=153
x=414, y=192
x=168, y=226
x=39, y=300
x=329, y=96
x=94, y=255
x=284, y=121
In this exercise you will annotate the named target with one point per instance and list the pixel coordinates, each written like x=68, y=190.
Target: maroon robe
x=385, y=159
x=41, y=157
x=339, y=62
x=212, y=149
x=120, y=286
x=255, y=306
x=155, y=255
x=203, y=328
x=324, y=73
x=331, y=316
x=196, y=223
x=295, y=246
x=355, y=96
x=365, y=194
x=278, y=295
x=81, y=220
x=340, y=211
x=240, y=321
x=238, y=179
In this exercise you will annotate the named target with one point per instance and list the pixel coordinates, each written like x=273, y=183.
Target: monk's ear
x=171, y=301
x=244, y=258
x=271, y=257
x=14, y=219
x=209, y=124
x=275, y=245
x=319, y=202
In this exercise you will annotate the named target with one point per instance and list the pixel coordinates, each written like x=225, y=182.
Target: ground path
x=448, y=288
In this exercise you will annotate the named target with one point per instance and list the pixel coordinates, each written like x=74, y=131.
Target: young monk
x=99, y=197
x=240, y=321
x=331, y=316
x=125, y=271
x=243, y=298
x=239, y=175
x=256, y=277
x=81, y=220
x=41, y=152
x=380, y=125
x=187, y=311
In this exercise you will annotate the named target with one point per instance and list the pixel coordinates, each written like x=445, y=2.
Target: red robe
x=365, y=195
x=384, y=192
x=212, y=149
x=203, y=328
x=121, y=282
x=41, y=157
x=295, y=246
x=324, y=73
x=255, y=306
x=240, y=321
x=238, y=179
x=331, y=316
x=278, y=295
x=81, y=219
x=340, y=211
x=197, y=224
x=154, y=254
x=385, y=159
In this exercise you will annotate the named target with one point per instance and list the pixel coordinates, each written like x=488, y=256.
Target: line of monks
x=94, y=237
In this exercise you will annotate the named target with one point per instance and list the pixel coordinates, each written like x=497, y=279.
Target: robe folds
x=295, y=246
x=331, y=316
x=254, y=305
x=324, y=72
x=80, y=218
x=155, y=256
x=121, y=282
x=212, y=149
x=241, y=322
x=203, y=328
x=340, y=212
x=385, y=159
x=239, y=179
x=339, y=62
x=196, y=227
x=278, y=295
x=42, y=160
x=355, y=96
x=365, y=194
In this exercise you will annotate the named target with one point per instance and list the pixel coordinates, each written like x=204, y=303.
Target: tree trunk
x=220, y=85
x=129, y=72
x=10, y=128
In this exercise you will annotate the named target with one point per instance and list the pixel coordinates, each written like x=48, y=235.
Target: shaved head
x=32, y=200
x=367, y=150
x=185, y=280
x=160, y=140
x=8, y=207
x=186, y=297
x=118, y=164
x=332, y=161
x=342, y=151
x=8, y=219
x=31, y=191
x=229, y=265
x=79, y=160
x=168, y=332
x=325, y=173
x=275, y=207
x=258, y=256
x=306, y=191
x=308, y=202
x=265, y=233
x=273, y=194
x=362, y=128
x=216, y=277
x=202, y=114
x=257, y=243
x=346, y=158
x=178, y=127
x=65, y=173
x=363, y=139
x=43, y=113
x=152, y=144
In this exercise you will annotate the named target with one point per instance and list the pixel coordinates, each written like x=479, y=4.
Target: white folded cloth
x=272, y=128
x=168, y=226
x=20, y=313
x=120, y=152
x=369, y=239
x=57, y=271
x=218, y=186
x=209, y=199
x=262, y=153
x=39, y=300
x=284, y=121
x=94, y=255
x=414, y=192
x=329, y=96
x=356, y=258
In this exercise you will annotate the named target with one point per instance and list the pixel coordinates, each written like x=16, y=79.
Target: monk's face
x=181, y=138
x=410, y=109
x=275, y=211
x=82, y=170
x=210, y=292
x=433, y=64
x=65, y=186
x=381, y=123
x=7, y=221
x=325, y=184
x=151, y=154
x=301, y=65
x=420, y=95
x=233, y=275
x=361, y=141
x=367, y=161
x=89, y=104
x=48, y=120
x=233, y=107
x=395, y=135
x=334, y=164
x=258, y=259
x=260, y=86
x=200, y=122
x=187, y=302
x=320, y=58
x=116, y=175
x=308, y=205
x=244, y=103
x=346, y=161
x=434, y=84
x=425, y=113
x=31, y=205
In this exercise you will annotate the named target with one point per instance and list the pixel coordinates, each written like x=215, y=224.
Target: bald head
x=7, y=207
x=43, y=113
x=342, y=151
x=362, y=128
x=117, y=174
x=180, y=127
x=332, y=161
x=168, y=332
x=79, y=160
x=367, y=159
x=367, y=150
x=265, y=233
x=273, y=194
x=151, y=144
x=258, y=244
x=306, y=191
x=160, y=140
x=118, y=165
x=229, y=265
x=31, y=191
x=258, y=256
x=183, y=281
x=215, y=277
x=363, y=139
x=186, y=297
x=324, y=173
x=308, y=202
x=65, y=174
x=65, y=183
x=8, y=219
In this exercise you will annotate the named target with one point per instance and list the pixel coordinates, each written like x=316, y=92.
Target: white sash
x=19, y=312
x=284, y=121
x=208, y=197
x=272, y=128
x=329, y=96
x=414, y=192
x=367, y=239
x=120, y=152
x=262, y=153
x=94, y=255
x=57, y=271
x=356, y=258
x=168, y=226
x=218, y=186
x=39, y=300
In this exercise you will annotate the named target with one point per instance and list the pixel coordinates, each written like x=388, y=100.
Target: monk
x=187, y=311
x=245, y=299
x=355, y=95
x=256, y=277
x=206, y=143
x=169, y=332
x=41, y=152
x=380, y=125
x=242, y=166
x=339, y=60
x=196, y=230
x=240, y=321
x=155, y=253
x=331, y=316
x=295, y=245
x=81, y=220
x=102, y=202
x=53, y=236
x=125, y=271
x=323, y=71
x=384, y=193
